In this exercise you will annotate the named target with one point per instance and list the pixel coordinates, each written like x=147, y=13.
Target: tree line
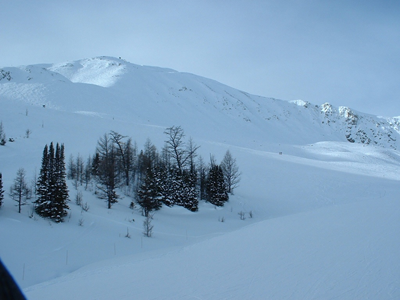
x=173, y=176
x=176, y=175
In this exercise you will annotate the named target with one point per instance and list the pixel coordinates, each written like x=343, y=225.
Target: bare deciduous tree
x=147, y=226
x=18, y=190
x=231, y=172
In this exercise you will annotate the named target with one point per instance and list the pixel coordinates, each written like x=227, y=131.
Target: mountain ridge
x=146, y=92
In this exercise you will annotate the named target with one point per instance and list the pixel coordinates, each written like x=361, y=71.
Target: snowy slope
x=287, y=258
x=113, y=88
x=326, y=215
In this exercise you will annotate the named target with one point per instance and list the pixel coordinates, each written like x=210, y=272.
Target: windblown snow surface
x=322, y=185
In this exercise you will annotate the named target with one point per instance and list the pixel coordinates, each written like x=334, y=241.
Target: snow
x=326, y=213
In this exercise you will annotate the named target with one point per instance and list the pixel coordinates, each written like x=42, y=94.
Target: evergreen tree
x=166, y=185
x=52, y=188
x=217, y=192
x=2, y=135
x=148, y=193
x=43, y=201
x=189, y=193
x=60, y=193
x=202, y=179
x=1, y=190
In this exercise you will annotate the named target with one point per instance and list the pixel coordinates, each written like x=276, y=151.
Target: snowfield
x=322, y=214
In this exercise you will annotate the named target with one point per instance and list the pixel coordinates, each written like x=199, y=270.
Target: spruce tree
x=52, y=190
x=189, y=194
x=1, y=190
x=42, y=203
x=60, y=194
x=166, y=187
x=217, y=192
x=2, y=135
x=148, y=194
x=202, y=179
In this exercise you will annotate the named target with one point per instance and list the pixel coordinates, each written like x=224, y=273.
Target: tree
x=52, y=188
x=18, y=189
x=180, y=154
x=188, y=191
x=1, y=190
x=43, y=201
x=231, y=172
x=71, y=174
x=147, y=226
x=60, y=194
x=179, y=159
x=88, y=172
x=2, y=135
x=106, y=170
x=217, y=193
x=125, y=155
x=202, y=180
x=148, y=193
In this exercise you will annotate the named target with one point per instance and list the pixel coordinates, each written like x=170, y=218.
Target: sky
x=343, y=52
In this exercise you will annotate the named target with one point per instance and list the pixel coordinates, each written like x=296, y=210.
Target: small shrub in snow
x=81, y=221
x=242, y=215
x=78, y=198
x=85, y=206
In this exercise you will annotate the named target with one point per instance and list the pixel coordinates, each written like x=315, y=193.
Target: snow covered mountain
x=109, y=87
x=320, y=182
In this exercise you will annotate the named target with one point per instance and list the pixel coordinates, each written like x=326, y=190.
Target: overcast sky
x=343, y=52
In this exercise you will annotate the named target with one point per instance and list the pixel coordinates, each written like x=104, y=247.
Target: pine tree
x=1, y=190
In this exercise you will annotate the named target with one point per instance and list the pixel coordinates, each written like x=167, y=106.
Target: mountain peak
x=102, y=71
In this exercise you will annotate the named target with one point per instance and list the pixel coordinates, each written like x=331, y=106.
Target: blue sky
x=341, y=52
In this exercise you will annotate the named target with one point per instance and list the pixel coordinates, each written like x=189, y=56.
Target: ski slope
x=326, y=213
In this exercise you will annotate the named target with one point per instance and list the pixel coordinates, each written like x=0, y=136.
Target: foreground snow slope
x=325, y=211
x=344, y=252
